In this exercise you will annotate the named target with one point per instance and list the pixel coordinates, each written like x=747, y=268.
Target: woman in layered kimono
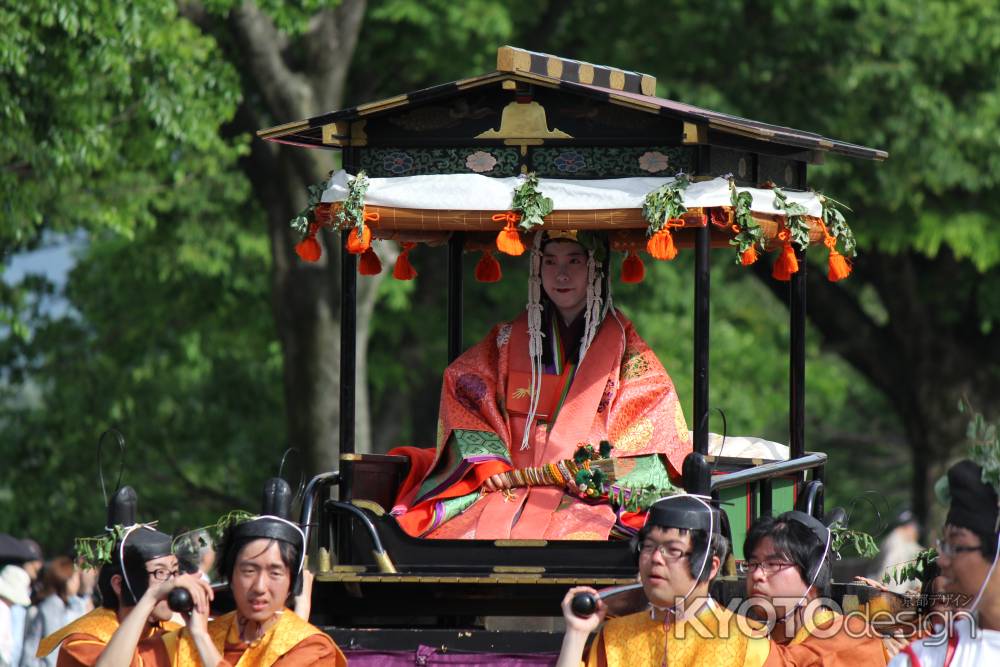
x=516, y=408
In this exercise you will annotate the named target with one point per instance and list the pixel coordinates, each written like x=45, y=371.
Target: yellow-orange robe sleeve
x=836, y=646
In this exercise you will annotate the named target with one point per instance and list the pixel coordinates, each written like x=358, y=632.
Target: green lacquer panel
x=496, y=161
x=610, y=161
x=736, y=503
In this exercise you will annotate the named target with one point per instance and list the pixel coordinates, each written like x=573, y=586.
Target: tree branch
x=328, y=45
x=287, y=94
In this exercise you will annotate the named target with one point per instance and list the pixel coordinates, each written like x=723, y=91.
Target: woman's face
x=564, y=277
x=260, y=581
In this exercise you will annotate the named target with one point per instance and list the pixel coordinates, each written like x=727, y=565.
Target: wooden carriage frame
x=378, y=563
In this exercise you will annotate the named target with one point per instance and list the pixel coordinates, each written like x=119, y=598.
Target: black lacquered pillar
x=702, y=248
x=797, y=359
x=456, y=245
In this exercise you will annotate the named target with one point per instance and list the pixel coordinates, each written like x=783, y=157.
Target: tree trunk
x=305, y=297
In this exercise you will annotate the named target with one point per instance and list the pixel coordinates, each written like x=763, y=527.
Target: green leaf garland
x=530, y=203
x=665, y=203
x=836, y=225
x=750, y=235
x=93, y=552
x=352, y=213
x=984, y=441
x=864, y=545
x=300, y=223
x=795, y=218
x=913, y=569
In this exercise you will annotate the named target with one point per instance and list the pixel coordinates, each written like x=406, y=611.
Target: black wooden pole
x=702, y=247
x=456, y=245
x=348, y=344
x=797, y=359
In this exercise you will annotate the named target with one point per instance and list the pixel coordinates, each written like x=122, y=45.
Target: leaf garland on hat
x=984, y=441
x=841, y=536
x=95, y=551
x=912, y=569
x=749, y=238
x=530, y=203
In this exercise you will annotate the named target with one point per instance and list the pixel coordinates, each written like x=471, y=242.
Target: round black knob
x=179, y=600
x=583, y=604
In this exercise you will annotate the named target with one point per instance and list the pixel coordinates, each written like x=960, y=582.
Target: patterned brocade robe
x=620, y=393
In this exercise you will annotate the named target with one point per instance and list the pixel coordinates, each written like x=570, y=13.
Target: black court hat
x=973, y=501
x=274, y=522
x=143, y=543
x=815, y=526
x=684, y=511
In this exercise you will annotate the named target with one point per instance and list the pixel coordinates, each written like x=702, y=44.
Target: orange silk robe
x=291, y=642
x=620, y=393
x=827, y=643
x=714, y=637
x=83, y=640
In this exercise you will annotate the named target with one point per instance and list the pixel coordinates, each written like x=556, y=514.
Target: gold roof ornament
x=524, y=124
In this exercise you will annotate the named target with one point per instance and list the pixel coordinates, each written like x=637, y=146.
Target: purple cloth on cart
x=429, y=655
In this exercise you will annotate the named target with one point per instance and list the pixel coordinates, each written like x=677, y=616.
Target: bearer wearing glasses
x=679, y=551
x=787, y=569
x=967, y=557
x=141, y=563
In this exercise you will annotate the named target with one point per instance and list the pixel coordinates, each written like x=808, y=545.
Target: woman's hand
x=497, y=482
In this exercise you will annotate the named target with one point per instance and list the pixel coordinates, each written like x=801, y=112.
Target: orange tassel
x=403, y=269
x=309, y=249
x=787, y=263
x=369, y=264
x=749, y=256
x=633, y=270
x=357, y=245
x=488, y=268
x=661, y=244
x=840, y=268
x=509, y=240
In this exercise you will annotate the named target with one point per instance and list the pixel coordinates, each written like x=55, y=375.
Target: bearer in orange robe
x=680, y=550
x=517, y=405
x=262, y=559
x=788, y=568
x=140, y=560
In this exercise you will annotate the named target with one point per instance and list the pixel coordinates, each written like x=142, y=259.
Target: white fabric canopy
x=475, y=192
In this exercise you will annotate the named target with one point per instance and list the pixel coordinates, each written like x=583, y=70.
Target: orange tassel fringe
x=403, y=269
x=661, y=244
x=787, y=263
x=633, y=270
x=839, y=267
x=357, y=245
x=509, y=240
x=369, y=264
x=309, y=249
x=488, y=268
x=749, y=256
